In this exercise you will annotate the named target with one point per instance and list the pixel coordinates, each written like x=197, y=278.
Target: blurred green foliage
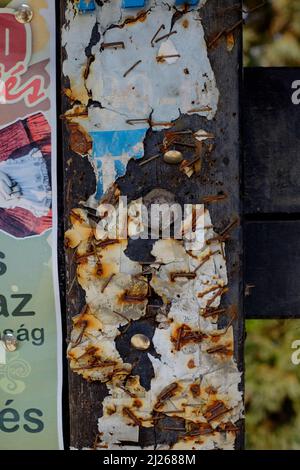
x=272, y=385
x=272, y=34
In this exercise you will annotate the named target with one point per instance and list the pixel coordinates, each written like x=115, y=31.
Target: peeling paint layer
x=128, y=71
x=195, y=374
x=167, y=79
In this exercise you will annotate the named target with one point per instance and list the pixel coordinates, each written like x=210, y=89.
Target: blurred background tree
x=272, y=33
x=272, y=385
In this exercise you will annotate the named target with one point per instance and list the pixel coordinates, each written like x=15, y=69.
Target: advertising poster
x=30, y=376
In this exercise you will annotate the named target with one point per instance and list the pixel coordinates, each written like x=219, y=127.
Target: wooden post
x=83, y=38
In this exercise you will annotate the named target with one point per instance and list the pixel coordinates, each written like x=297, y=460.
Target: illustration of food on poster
x=30, y=373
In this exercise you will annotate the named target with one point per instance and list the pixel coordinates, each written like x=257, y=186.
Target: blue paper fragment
x=85, y=6
x=188, y=2
x=133, y=3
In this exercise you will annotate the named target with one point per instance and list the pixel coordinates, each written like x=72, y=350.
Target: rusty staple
x=165, y=36
x=117, y=44
x=156, y=34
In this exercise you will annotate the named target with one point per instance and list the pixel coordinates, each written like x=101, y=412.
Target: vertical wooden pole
x=220, y=175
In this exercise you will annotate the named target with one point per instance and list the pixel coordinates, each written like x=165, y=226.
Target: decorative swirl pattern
x=11, y=373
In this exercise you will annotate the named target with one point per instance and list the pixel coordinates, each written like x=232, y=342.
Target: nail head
x=10, y=342
x=24, y=13
x=173, y=157
x=140, y=342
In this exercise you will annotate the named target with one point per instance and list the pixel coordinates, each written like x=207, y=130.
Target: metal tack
x=140, y=342
x=10, y=342
x=24, y=13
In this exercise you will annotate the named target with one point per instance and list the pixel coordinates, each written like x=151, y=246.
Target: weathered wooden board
x=271, y=141
x=221, y=172
x=272, y=256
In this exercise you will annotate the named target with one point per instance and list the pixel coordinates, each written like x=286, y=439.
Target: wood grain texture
x=271, y=141
x=220, y=173
x=272, y=257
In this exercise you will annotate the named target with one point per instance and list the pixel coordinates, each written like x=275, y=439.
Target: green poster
x=30, y=375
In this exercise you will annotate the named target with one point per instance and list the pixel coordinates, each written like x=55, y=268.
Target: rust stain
x=191, y=364
x=195, y=390
x=183, y=335
x=166, y=394
x=215, y=410
x=106, y=243
x=137, y=294
x=141, y=17
x=221, y=349
x=137, y=403
x=127, y=412
x=198, y=429
x=186, y=275
x=210, y=390
x=80, y=141
x=110, y=410
x=227, y=427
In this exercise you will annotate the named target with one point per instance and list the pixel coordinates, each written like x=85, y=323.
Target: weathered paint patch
x=154, y=91
x=159, y=84
x=195, y=375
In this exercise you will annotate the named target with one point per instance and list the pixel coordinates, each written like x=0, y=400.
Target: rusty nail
x=132, y=416
x=72, y=285
x=218, y=349
x=192, y=162
x=215, y=411
x=206, y=258
x=131, y=68
x=212, y=289
x=214, y=198
x=116, y=45
x=150, y=159
x=161, y=124
x=121, y=315
x=174, y=276
x=156, y=34
x=91, y=59
x=210, y=312
x=217, y=238
x=232, y=28
x=219, y=293
x=105, y=243
x=199, y=110
x=248, y=289
x=96, y=365
x=150, y=262
x=105, y=285
x=80, y=336
x=178, y=342
x=230, y=226
x=134, y=121
x=166, y=393
x=73, y=115
x=216, y=37
x=165, y=36
x=161, y=58
x=173, y=429
x=85, y=256
x=135, y=298
x=176, y=142
x=132, y=395
x=96, y=441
